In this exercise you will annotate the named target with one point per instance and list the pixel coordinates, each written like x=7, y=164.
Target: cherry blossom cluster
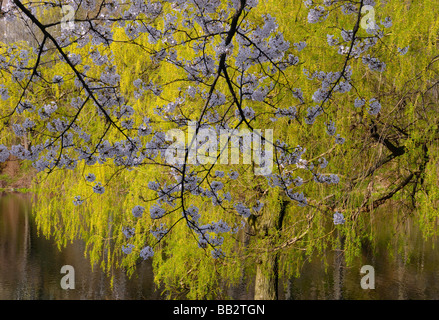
x=233, y=66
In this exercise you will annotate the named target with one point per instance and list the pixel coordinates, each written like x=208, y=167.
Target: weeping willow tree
x=98, y=103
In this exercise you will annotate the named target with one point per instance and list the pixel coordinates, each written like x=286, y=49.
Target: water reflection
x=30, y=264
x=30, y=267
x=408, y=271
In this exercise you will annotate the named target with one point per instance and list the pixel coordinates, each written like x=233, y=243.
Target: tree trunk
x=267, y=227
x=267, y=277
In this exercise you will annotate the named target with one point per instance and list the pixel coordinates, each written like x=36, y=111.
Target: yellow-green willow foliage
x=179, y=265
x=409, y=102
x=12, y=54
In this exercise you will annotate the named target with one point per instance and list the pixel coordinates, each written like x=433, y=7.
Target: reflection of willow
x=26, y=250
x=15, y=243
x=30, y=265
x=339, y=262
x=405, y=264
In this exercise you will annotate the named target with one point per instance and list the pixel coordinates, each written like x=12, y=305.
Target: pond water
x=30, y=268
x=30, y=265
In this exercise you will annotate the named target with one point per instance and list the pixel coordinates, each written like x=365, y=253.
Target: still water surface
x=30, y=268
